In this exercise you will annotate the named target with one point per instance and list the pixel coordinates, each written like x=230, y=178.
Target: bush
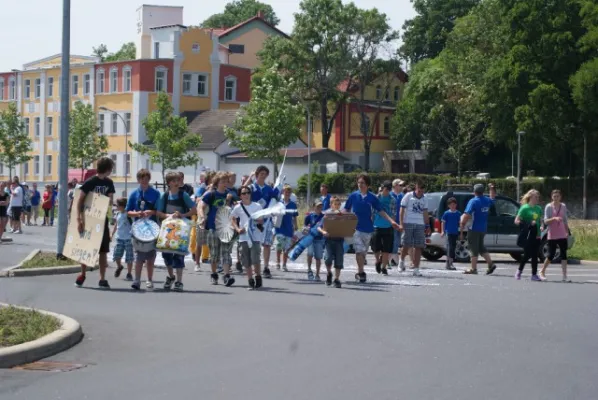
x=346, y=183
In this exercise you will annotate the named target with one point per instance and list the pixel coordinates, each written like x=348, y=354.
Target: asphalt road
x=441, y=336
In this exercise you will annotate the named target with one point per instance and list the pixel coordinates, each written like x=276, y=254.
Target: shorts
x=219, y=251
x=361, y=242
x=335, y=251
x=562, y=244
x=475, y=240
x=283, y=243
x=16, y=212
x=123, y=247
x=250, y=255
x=145, y=256
x=105, y=246
x=414, y=235
x=396, y=244
x=200, y=236
x=383, y=240
x=268, y=233
x=3, y=212
x=47, y=212
x=27, y=209
x=175, y=261
x=316, y=249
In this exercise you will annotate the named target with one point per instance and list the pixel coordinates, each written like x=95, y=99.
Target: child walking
x=335, y=250
x=286, y=232
x=122, y=233
x=450, y=229
x=316, y=249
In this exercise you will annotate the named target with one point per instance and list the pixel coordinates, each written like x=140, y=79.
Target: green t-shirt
x=529, y=213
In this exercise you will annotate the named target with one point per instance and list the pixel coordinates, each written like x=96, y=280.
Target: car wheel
x=462, y=252
x=432, y=253
x=516, y=256
x=544, y=252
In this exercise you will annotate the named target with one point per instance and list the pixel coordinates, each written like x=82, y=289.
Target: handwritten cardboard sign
x=85, y=247
x=340, y=225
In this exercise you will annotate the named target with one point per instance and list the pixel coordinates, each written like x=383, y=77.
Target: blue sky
x=32, y=28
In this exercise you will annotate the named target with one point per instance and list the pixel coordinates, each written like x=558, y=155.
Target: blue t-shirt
x=234, y=193
x=311, y=220
x=35, y=198
x=478, y=208
x=380, y=222
x=325, y=202
x=144, y=200
x=213, y=199
x=201, y=191
x=451, y=221
x=362, y=207
x=399, y=198
x=263, y=195
x=123, y=226
x=188, y=202
x=286, y=228
x=54, y=195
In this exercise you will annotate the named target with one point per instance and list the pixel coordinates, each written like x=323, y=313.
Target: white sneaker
x=149, y=285
x=197, y=267
x=402, y=266
x=416, y=272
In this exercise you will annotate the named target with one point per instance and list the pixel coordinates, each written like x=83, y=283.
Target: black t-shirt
x=98, y=185
x=187, y=189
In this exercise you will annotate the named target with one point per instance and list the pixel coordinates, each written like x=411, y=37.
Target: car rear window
x=462, y=200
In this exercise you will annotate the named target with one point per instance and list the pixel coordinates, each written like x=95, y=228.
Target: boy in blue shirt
x=175, y=203
x=361, y=203
x=325, y=197
x=316, y=249
x=450, y=229
x=383, y=240
x=143, y=203
x=286, y=232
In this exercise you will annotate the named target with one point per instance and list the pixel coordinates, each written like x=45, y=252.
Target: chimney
x=260, y=14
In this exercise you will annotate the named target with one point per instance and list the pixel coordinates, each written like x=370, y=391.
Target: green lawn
x=45, y=260
x=586, y=239
x=19, y=326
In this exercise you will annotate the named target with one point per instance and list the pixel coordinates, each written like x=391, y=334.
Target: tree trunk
x=585, y=176
x=324, y=122
x=10, y=172
x=366, y=152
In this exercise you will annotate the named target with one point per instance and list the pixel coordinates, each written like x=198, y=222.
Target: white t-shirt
x=238, y=212
x=16, y=199
x=414, y=208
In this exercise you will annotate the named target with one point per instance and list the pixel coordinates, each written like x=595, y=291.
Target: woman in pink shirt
x=555, y=217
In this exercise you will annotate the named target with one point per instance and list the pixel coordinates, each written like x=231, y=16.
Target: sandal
x=471, y=271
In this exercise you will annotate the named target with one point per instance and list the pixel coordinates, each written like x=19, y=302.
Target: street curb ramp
x=16, y=271
x=65, y=337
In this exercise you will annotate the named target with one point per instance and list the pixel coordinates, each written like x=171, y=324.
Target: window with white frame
x=38, y=88
x=160, y=85
x=127, y=79
x=86, y=84
x=27, y=93
x=100, y=81
x=101, y=123
x=48, y=165
x=365, y=124
x=114, y=159
x=113, y=80
x=187, y=83
x=114, y=123
x=36, y=165
x=386, y=126
x=1, y=88
x=75, y=85
x=127, y=164
x=26, y=125
x=128, y=122
x=230, y=89
x=26, y=168
x=49, y=124
x=50, y=87
x=202, y=85
x=12, y=94
x=36, y=122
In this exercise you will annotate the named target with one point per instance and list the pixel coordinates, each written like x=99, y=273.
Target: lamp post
x=519, y=134
x=126, y=146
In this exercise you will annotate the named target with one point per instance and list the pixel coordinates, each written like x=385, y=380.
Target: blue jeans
x=175, y=261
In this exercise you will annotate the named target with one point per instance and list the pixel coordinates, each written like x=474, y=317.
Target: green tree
x=238, y=11
x=425, y=35
x=169, y=141
x=15, y=142
x=127, y=51
x=272, y=119
x=85, y=144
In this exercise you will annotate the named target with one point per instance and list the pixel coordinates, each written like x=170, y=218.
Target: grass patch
x=586, y=239
x=19, y=326
x=47, y=260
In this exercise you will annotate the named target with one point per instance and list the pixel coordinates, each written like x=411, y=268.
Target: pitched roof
x=343, y=86
x=210, y=125
x=225, y=31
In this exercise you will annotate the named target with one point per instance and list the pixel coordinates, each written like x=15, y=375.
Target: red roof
x=225, y=31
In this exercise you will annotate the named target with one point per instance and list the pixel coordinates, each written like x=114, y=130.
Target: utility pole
x=519, y=134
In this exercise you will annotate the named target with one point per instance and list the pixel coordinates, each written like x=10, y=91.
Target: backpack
x=180, y=202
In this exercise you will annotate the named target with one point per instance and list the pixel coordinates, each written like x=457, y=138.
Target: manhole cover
x=50, y=366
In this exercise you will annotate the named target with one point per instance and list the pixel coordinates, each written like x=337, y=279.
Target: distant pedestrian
x=47, y=205
x=397, y=192
x=415, y=224
x=35, y=203
x=324, y=197
x=4, y=202
x=530, y=218
x=16, y=205
x=450, y=230
x=555, y=218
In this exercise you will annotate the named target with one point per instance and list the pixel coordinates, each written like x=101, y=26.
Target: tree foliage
x=169, y=142
x=272, y=119
x=238, y=11
x=126, y=52
x=85, y=144
x=15, y=143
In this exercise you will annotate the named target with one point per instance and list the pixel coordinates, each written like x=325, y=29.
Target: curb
x=65, y=337
x=16, y=271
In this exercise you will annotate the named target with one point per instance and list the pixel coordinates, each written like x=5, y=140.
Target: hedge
x=346, y=183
